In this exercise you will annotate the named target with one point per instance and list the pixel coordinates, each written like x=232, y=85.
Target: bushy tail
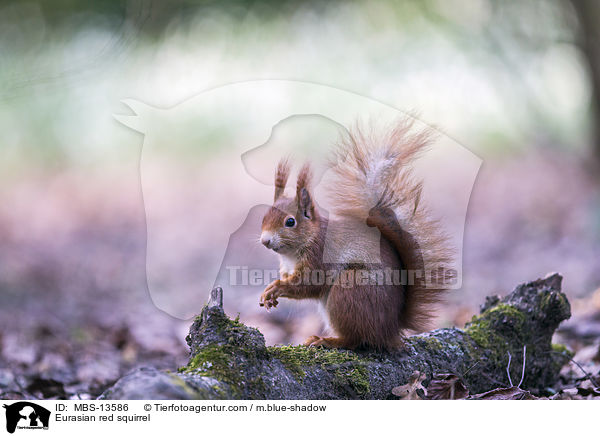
x=374, y=182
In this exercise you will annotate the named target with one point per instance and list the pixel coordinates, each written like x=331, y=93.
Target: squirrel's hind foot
x=331, y=342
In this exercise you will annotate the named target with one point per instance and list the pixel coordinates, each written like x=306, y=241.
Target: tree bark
x=588, y=14
x=230, y=360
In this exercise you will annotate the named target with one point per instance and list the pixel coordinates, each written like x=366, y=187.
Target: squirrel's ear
x=305, y=204
x=281, y=177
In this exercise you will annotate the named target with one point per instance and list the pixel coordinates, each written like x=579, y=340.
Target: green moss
x=554, y=299
x=302, y=355
x=218, y=362
x=562, y=349
x=349, y=368
x=212, y=358
x=560, y=356
x=505, y=310
x=481, y=333
x=495, y=328
x=484, y=328
x=222, y=363
x=228, y=327
x=179, y=382
x=357, y=378
x=429, y=342
x=292, y=358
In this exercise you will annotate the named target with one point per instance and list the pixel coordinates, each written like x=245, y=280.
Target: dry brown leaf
x=567, y=394
x=587, y=388
x=410, y=391
x=446, y=387
x=513, y=393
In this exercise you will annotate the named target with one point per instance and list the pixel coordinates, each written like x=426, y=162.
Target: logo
x=26, y=415
x=206, y=172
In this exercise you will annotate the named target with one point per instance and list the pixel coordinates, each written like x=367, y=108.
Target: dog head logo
x=202, y=207
x=26, y=415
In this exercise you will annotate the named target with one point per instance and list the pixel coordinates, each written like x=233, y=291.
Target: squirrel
x=373, y=185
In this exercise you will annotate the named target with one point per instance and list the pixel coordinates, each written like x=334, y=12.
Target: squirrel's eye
x=290, y=222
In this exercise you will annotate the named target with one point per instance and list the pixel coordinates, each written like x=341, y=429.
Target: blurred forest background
x=517, y=83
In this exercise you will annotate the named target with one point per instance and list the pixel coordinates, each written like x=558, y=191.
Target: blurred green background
x=498, y=76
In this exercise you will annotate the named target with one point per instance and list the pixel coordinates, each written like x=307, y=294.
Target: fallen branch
x=230, y=360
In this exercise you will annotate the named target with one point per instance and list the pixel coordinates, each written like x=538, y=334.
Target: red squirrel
x=374, y=186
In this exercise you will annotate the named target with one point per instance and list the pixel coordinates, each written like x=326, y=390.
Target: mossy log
x=231, y=361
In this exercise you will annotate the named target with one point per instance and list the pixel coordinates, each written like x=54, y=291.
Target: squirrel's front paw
x=269, y=296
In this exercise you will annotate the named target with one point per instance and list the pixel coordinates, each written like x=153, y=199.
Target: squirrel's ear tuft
x=304, y=178
x=281, y=177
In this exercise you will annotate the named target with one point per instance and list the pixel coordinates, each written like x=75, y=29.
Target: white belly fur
x=324, y=315
x=287, y=265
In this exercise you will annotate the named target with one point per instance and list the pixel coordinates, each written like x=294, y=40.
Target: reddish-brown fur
x=374, y=188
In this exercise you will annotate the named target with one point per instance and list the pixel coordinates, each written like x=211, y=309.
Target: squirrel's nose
x=265, y=238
